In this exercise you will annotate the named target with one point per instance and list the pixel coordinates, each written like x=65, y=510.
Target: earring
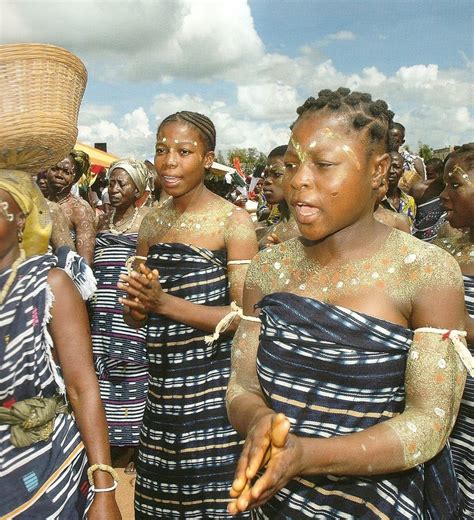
x=19, y=234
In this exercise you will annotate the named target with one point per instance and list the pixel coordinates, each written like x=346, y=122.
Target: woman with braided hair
x=197, y=248
x=346, y=380
x=458, y=201
x=80, y=216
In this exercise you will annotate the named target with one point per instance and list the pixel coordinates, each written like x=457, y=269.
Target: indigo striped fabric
x=119, y=350
x=188, y=450
x=462, y=437
x=430, y=216
x=48, y=479
x=333, y=371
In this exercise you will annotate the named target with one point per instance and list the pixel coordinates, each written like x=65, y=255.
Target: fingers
x=280, y=430
x=134, y=304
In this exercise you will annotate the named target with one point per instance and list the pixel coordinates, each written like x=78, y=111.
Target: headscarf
x=31, y=202
x=138, y=171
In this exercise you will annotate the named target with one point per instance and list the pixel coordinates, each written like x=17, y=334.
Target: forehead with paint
x=275, y=165
x=174, y=134
x=355, y=112
x=199, y=122
x=460, y=166
x=313, y=136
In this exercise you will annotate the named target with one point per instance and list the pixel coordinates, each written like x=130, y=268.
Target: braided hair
x=81, y=162
x=200, y=121
x=374, y=117
x=464, y=149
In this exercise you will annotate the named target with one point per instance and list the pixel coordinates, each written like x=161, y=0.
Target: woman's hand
x=144, y=292
x=270, y=445
x=272, y=240
x=104, y=507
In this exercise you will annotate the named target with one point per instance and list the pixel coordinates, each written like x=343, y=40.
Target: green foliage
x=250, y=158
x=425, y=151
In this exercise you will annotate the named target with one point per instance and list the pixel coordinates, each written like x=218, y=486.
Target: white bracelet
x=104, y=490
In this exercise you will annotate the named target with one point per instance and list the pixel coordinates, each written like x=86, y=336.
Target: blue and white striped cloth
x=333, y=371
x=119, y=350
x=48, y=479
x=188, y=450
x=462, y=436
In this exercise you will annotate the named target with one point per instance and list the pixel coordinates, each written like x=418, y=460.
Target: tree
x=250, y=158
x=220, y=158
x=425, y=151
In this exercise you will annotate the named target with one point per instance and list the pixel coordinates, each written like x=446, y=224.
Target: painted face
x=330, y=180
x=122, y=189
x=396, y=169
x=61, y=176
x=180, y=158
x=273, y=180
x=9, y=223
x=458, y=194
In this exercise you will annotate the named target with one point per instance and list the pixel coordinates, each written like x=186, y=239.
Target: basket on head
x=41, y=88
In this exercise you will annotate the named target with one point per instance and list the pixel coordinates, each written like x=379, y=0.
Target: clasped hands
x=145, y=293
x=268, y=445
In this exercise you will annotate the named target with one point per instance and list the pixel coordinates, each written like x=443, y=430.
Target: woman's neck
x=190, y=200
x=60, y=195
x=392, y=191
x=122, y=213
x=350, y=243
x=9, y=257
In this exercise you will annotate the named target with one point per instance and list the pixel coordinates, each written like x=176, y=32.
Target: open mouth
x=170, y=180
x=305, y=213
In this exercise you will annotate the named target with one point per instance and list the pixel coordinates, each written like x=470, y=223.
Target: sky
x=248, y=64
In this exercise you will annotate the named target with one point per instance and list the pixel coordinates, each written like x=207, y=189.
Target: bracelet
x=103, y=490
x=101, y=467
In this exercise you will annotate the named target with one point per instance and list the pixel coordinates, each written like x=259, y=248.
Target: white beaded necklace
x=116, y=231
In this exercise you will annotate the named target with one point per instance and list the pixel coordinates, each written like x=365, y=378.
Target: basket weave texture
x=41, y=88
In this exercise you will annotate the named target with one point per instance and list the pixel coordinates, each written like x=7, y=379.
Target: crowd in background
x=317, y=275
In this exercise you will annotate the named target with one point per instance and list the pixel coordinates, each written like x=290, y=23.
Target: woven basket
x=41, y=88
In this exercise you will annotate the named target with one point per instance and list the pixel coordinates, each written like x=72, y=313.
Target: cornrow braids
x=464, y=149
x=366, y=114
x=81, y=163
x=200, y=121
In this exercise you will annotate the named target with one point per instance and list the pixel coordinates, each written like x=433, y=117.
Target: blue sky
x=249, y=64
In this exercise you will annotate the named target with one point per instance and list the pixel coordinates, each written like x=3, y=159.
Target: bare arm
x=60, y=235
x=69, y=328
x=241, y=245
x=84, y=225
x=434, y=383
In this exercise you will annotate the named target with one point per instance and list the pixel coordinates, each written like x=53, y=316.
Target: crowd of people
x=305, y=359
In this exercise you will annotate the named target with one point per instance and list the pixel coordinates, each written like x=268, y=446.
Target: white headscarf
x=138, y=171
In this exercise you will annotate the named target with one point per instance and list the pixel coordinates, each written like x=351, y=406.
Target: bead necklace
x=12, y=276
x=65, y=199
x=116, y=231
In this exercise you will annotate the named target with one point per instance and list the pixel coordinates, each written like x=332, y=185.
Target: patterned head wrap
x=29, y=198
x=138, y=171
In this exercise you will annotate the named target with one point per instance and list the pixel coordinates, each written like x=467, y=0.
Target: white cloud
x=207, y=40
x=131, y=136
x=342, y=35
x=140, y=40
x=271, y=101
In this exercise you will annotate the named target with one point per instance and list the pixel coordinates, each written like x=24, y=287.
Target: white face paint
x=4, y=210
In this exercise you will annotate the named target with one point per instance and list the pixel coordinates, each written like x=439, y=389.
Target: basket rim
x=41, y=51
